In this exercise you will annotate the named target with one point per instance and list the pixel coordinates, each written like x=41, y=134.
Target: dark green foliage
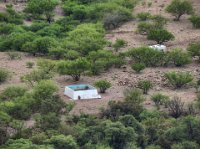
x=113, y=133
x=145, y=85
x=114, y=20
x=49, y=121
x=180, y=7
x=24, y=144
x=103, y=85
x=132, y=105
x=4, y=75
x=61, y=142
x=186, y=145
x=160, y=35
x=178, y=79
x=195, y=21
x=179, y=58
x=138, y=67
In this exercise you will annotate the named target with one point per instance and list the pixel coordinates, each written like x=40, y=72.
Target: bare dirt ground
x=184, y=34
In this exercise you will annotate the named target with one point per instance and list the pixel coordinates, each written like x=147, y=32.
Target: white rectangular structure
x=81, y=91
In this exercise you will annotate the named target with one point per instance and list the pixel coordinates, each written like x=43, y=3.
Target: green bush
x=195, y=21
x=180, y=7
x=160, y=35
x=143, y=16
x=12, y=92
x=103, y=85
x=138, y=67
x=119, y=43
x=194, y=49
x=149, y=56
x=4, y=75
x=159, y=99
x=145, y=27
x=178, y=79
x=179, y=58
x=159, y=21
x=145, y=85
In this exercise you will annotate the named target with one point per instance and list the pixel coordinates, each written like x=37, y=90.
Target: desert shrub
x=145, y=85
x=73, y=68
x=178, y=79
x=102, y=60
x=160, y=35
x=45, y=71
x=119, y=43
x=194, y=49
x=4, y=75
x=143, y=16
x=134, y=96
x=196, y=85
x=132, y=105
x=149, y=56
x=14, y=55
x=179, y=58
x=176, y=107
x=62, y=141
x=195, y=21
x=118, y=62
x=113, y=20
x=179, y=7
x=30, y=64
x=138, y=67
x=159, y=99
x=40, y=45
x=145, y=27
x=12, y=92
x=159, y=21
x=103, y=85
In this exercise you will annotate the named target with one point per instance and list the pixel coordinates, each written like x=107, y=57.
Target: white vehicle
x=159, y=47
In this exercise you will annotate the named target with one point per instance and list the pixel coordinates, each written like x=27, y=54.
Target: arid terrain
x=184, y=35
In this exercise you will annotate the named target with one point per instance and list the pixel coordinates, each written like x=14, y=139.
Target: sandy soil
x=184, y=34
